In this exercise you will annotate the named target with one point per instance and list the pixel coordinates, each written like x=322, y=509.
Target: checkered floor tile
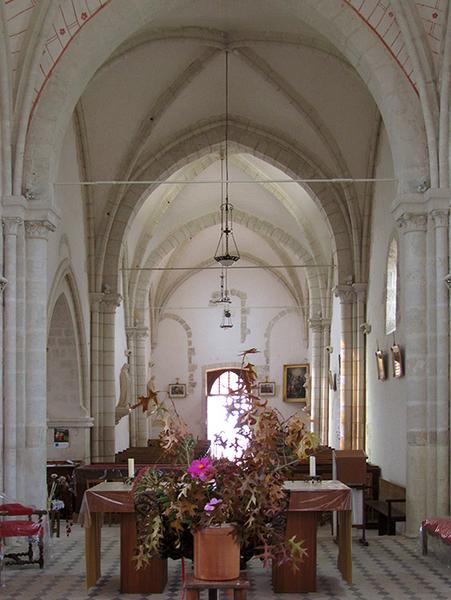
x=390, y=568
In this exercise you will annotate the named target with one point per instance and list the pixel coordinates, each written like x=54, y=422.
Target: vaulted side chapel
x=125, y=127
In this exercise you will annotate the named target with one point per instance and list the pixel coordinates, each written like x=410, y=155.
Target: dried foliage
x=247, y=492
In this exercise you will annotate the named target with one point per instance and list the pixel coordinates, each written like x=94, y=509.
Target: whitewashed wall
x=70, y=239
x=64, y=408
x=67, y=392
x=190, y=340
x=386, y=400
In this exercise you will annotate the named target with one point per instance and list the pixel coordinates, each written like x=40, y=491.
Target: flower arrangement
x=247, y=493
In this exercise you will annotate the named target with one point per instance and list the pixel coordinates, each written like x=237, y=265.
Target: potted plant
x=246, y=494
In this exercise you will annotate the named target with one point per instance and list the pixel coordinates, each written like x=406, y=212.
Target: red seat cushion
x=19, y=528
x=440, y=527
x=15, y=508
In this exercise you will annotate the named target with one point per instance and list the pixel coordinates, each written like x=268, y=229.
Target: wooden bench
x=390, y=507
x=193, y=587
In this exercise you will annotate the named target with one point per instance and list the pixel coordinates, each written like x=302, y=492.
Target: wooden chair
x=30, y=527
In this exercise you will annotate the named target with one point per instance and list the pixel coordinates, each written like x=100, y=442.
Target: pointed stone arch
x=372, y=60
x=206, y=139
x=64, y=284
x=139, y=295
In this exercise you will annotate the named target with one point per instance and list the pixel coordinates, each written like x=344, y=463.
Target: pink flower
x=210, y=506
x=201, y=469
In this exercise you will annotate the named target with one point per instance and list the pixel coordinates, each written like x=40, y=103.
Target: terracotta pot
x=216, y=554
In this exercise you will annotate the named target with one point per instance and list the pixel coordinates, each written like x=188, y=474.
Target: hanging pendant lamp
x=227, y=252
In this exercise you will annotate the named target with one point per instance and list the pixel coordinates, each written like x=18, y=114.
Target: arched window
x=391, y=290
x=221, y=425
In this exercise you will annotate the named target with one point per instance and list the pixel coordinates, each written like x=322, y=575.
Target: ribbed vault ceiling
x=166, y=84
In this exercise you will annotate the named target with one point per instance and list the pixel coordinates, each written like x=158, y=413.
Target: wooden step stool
x=193, y=587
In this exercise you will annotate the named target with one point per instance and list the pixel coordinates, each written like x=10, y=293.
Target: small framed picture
x=296, y=379
x=267, y=388
x=177, y=390
x=396, y=358
x=380, y=365
x=60, y=438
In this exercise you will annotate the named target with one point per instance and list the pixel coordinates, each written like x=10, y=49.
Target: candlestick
x=131, y=468
x=312, y=465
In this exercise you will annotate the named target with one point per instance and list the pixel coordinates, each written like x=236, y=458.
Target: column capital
x=360, y=290
x=410, y=222
x=111, y=301
x=345, y=293
x=38, y=229
x=440, y=217
x=95, y=298
x=137, y=332
x=106, y=297
x=318, y=324
x=11, y=225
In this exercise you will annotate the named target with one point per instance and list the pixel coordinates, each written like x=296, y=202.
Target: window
x=391, y=291
x=221, y=425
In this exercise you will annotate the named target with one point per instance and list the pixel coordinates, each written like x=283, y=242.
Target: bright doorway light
x=221, y=425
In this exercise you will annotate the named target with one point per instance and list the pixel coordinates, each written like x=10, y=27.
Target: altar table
x=117, y=497
x=307, y=501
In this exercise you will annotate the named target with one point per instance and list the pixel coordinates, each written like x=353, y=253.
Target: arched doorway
x=221, y=423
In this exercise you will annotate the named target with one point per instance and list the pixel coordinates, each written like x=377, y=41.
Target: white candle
x=312, y=464
x=131, y=468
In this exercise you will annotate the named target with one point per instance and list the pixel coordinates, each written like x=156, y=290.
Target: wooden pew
x=153, y=453
x=390, y=506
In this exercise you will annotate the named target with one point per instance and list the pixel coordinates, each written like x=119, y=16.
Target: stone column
x=440, y=220
x=413, y=226
x=430, y=371
x=325, y=382
x=316, y=330
x=137, y=337
x=10, y=228
x=359, y=396
x=36, y=372
x=96, y=353
x=346, y=294
x=20, y=365
x=3, y=284
x=107, y=408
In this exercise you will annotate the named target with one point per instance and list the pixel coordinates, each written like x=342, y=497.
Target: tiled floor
x=389, y=568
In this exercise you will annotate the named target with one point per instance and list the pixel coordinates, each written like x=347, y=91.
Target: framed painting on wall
x=177, y=390
x=267, y=388
x=60, y=437
x=295, y=382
